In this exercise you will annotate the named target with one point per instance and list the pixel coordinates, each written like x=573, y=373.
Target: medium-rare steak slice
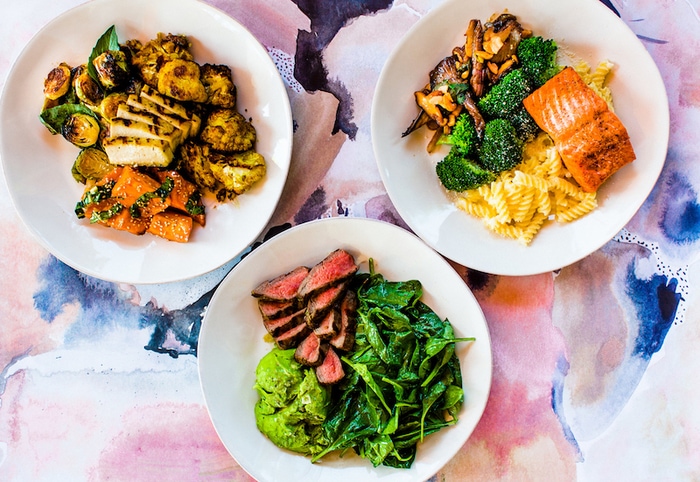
x=320, y=303
x=283, y=287
x=293, y=336
x=329, y=325
x=331, y=370
x=309, y=352
x=345, y=339
x=275, y=309
x=277, y=326
x=338, y=266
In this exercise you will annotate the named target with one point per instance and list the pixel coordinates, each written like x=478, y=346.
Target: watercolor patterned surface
x=595, y=366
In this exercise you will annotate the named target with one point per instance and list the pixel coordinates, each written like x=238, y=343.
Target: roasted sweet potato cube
x=183, y=191
x=136, y=187
x=171, y=226
x=121, y=219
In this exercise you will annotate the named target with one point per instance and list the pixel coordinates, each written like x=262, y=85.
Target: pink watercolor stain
x=168, y=441
x=526, y=348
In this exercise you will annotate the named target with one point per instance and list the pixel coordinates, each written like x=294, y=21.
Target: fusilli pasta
x=519, y=202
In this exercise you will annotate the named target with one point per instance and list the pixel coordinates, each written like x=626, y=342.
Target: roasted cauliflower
x=228, y=131
x=179, y=79
x=150, y=57
x=218, y=82
x=238, y=171
x=194, y=161
x=227, y=175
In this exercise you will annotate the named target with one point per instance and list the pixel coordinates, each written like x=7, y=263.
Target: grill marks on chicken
x=314, y=310
x=591, y=139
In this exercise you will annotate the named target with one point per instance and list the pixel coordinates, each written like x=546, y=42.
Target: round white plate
x=231, y=345
x=585, y=28
x=37, y=165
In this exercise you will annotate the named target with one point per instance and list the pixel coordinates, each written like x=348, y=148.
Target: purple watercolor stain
x=680, y=220
x=656, y=301
x=327, y=19
x=102, y=306
x=558, y=379
x=587, y=405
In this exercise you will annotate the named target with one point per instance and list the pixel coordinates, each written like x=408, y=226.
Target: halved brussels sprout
x=112, y=69
x=91, y=163
x=83, y=130
x=57, y=82
x=110, y=104
x=86, y=88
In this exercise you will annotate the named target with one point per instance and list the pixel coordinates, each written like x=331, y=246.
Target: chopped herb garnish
x=93, y=196
x=193, y=206
x=98, y=216
x=162, y=192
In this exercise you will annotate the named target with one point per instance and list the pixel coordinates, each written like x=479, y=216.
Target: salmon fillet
x=591, y=139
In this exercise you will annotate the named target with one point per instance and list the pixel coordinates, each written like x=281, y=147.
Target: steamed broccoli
x=463, y=136
x=524, y=124
x=538, y=59
x=506, y=96
x=458, y=173
x=501, y=148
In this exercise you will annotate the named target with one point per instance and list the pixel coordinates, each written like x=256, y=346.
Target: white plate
x=37, y=165
x=585, y=28
x=231, y=344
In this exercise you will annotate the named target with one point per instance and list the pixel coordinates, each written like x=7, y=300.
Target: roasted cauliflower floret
x=194, y=160
x=238, y=172
x=179, y=79
x=150, y=57
x=228, y=131
x=218, y=82
x=227, y=175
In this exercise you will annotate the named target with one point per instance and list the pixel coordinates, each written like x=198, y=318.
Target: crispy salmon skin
x=591, y=139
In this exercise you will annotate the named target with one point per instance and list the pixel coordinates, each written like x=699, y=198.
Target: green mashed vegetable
x=293, y=405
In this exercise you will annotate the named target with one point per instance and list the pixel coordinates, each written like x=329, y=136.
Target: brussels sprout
x=86, y=88
x=57, y=82
x=110, y=104
x=91, y=163
x=112, y=69
x=82, y=130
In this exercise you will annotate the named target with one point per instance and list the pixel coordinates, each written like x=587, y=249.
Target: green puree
x=292, y=405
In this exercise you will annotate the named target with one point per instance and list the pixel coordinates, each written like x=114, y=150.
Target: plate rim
x=280, y=147
x=206, y=336
x=548, y=264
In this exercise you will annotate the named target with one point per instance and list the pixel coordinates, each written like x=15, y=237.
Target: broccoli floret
x=506, y=96
x=538, y=59
x=524, y=124
x=458, y=173
x=463, y=135
x=501, y=148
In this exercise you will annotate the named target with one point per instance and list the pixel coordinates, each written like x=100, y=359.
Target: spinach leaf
x=54, y=117
x=403, y=379
x=107, y=41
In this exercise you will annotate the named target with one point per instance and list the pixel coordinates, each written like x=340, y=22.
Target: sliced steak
x=322, y=302
x=345, y=339
x=293, y=336
x=277, y=326
x=338, y=266
x=283, y=287
x=329, y=325
x=331, y=370
x=275, y=309
x=309, y=352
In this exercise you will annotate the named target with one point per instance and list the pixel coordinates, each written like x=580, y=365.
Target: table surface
x=595, y=365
